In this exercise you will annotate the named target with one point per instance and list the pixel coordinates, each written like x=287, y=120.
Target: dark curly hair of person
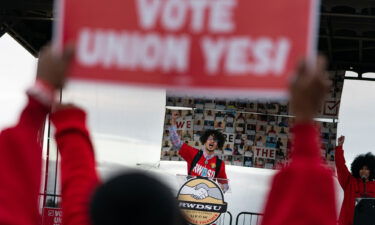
x=368, y=160
x=215, y=134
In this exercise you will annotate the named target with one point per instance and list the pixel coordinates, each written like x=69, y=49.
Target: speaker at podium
x=364, y=211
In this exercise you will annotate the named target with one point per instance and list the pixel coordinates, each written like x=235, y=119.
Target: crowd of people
x=301, y=193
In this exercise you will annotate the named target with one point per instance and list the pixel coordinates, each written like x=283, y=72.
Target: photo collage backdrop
x=257, y=132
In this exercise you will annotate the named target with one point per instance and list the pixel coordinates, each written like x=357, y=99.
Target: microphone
x=364, y=178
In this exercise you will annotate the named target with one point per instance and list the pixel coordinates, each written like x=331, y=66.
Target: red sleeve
x=20, y=166
x=302, y=192
x=188, y=153
x=78, y=173
x=343, y=174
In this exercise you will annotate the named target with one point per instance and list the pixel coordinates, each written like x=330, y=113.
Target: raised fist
x=175, y=116
x=341, y=140
x=52, y=65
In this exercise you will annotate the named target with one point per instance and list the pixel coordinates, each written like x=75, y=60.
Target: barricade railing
x=248, y=218
x=225, y=219
x=49, y=200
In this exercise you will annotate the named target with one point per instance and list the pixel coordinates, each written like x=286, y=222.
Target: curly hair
x=368, y=160
x=215, y=134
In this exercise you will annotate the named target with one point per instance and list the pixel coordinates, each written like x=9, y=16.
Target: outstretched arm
x=175, y=139
x=187, y=152
x=343, y=174
x=78, y=173
x=304, y=187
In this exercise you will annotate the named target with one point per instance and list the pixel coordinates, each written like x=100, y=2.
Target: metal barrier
x=225, y=219
x=248, y=218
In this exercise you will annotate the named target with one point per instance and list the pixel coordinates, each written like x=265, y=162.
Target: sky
x=17, y=72
x=141, y=128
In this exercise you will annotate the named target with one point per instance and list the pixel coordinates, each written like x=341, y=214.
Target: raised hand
x=341, y=140
x=52, y=66
x=175, y=116
x=308, y=89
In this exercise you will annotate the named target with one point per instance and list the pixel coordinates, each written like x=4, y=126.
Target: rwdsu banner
x=234, y=46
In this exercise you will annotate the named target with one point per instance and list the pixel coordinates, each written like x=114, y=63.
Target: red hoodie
x=353, y=188
x=78, y=174
x=20, y=166
x=303, y=191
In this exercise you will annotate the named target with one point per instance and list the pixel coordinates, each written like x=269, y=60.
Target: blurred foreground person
x=133, y=198
x=21, y=147
x=357, y=184
x=303, y=191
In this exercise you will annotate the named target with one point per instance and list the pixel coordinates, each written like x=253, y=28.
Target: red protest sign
x=52, y=216
x=230, y=45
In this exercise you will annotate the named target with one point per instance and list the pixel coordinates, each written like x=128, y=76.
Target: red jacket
x=303, y=191
x=20, y=166
x=353, y=188
x=78, y=174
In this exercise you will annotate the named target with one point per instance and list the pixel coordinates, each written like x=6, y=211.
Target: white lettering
x=240, y=56
x=237, y=57
x=131, y=50
x=176, y=52
x=233, y=56
x=217, y=208
x=262, y=53
x=191, y=205
x=221, y=20
x=197, y=17
x=199, y=206
x=174, y=15
x=282, y=51
x=150, y=52
x=213, y=52
x=198, y=169
x=89, y=48
x=116, y=51
x=148, y=11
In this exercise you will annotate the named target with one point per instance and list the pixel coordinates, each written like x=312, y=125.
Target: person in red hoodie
x=359, y=183
x=303, y=191
x=20, y=145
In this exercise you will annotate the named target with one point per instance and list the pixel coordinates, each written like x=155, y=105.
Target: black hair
x=368, y=160
x=215, y=134
x=134, y=198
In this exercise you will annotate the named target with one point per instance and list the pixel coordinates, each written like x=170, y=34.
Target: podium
x=202, y=200
x=364, y=211
x=181, y=179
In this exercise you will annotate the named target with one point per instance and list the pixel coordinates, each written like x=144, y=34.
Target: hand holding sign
x=52, y=66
